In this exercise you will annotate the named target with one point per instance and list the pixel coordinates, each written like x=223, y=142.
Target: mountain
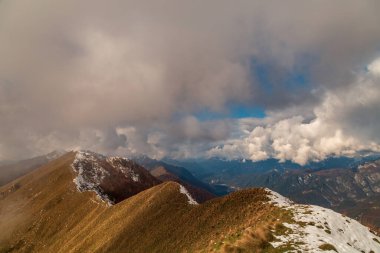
x=9, y=171
x=45, y=211
x=168, y=172
x=200, y=195
x=346, y=185
x=355, y=192
x=220, y=170
x=313, y=225
x=112, y=178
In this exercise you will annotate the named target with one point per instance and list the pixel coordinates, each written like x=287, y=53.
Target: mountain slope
x=355, y=192
x=314, y=224
x=168, y=172
x=49, y=214
x=112, y=178
x=346, y=185
x=200, y=195
x=12, y=170
x=45, y=212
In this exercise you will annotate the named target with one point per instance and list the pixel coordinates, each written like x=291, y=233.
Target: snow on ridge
x=128, y=172
x=183, y=190
x=278, y=199
x=92, y=169
x=315, y=226
x=92, y=179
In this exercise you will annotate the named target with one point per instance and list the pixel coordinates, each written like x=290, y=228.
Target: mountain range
x=345, y=184
x=87, y=202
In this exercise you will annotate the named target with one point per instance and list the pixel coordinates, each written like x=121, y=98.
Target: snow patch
x=91, y=180
x=315, y=226
x=105, y=175
x=128, y=172
x=183, y=190
x=278, y=199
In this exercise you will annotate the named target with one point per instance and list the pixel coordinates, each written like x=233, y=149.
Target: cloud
x=374, y=68
x=345, y=122
x=73, y=74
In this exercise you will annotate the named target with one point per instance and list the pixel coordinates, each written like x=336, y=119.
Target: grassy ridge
x=43, y=212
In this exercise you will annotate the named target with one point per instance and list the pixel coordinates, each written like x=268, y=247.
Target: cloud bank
x=345, y=122
x=126, y=77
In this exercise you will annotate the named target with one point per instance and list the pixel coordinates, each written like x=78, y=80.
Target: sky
x=293, y=80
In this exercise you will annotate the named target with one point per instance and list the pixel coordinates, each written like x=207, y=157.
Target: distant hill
x=168, y=172
x=216, y=169
x=46, y=211
x=11, y=170
x=344, y=184
x=200, y=194
x=352, y=191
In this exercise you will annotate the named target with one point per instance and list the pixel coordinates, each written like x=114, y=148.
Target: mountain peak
x=113, y=179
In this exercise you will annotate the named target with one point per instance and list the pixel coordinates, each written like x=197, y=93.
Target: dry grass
x=327, y=247
x=50, y=215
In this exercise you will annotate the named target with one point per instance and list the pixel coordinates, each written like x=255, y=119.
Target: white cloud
x=346, y=122
x=374, y=67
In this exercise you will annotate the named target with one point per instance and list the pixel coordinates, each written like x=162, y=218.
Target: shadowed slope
x=166, y=171
x=112, y=178
x=200, y=195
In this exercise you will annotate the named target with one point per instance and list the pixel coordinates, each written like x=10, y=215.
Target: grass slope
x=9, y=172
x=199, y=194
x=43, y=212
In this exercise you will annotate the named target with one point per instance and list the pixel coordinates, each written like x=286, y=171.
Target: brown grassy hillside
x=44, y=212
x=199, y=194
x=12, y=170
x=9, y=172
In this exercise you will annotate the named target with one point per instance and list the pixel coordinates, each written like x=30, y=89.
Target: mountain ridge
x=352, y=190
x=11, y=170
x=112, y=178
x=49, y=214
